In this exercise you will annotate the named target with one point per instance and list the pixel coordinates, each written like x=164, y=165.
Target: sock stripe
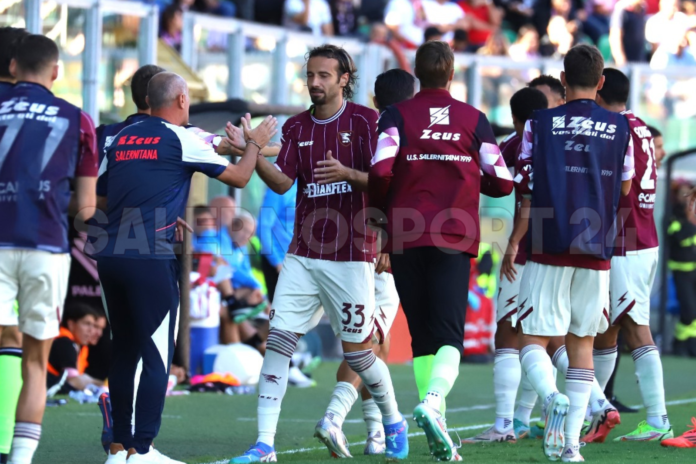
x=529, y=349
x=27, y=430
x=557, y=355
x=580, y=375
x=605, y=352
x=360, y=361
x=508, y=351
x=282, y=342
x=17, y=352
x=642, y=351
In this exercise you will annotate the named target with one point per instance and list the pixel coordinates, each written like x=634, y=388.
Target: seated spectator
x=406, y=20
x=596, y=22
x=627, y=32
x=460, y=44
x=484, y=18
x=678, y=54
x=496, y=45
x=667, y=28
x=205, y=236
x=171, y=25
x=526, y=47
x=559, y=26
x=446, y=15
x=309, y=15
x=99, y=357
x=345, y=17
x=432, y=33
x=517, y=13
x=69, y=352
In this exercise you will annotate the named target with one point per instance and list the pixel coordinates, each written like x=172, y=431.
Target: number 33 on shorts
x=355, y=315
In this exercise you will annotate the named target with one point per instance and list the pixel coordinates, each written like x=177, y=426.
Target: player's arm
x=496, y=180
x=82, y=381
x=519, y=229
x=381, y=172
x=83, y=201
x=629, y=171
x=525, y=175
x=280, y=176
x=331, y=170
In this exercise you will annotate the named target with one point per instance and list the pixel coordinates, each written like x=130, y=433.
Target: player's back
x=330, y=218
x=637, y=222
x=145, y=177
x=107, y=132
x=5, y=87
x=579, y=151
x=41, y=138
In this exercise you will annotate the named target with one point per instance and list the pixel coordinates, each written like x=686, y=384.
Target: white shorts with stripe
x=38, y=280
x=386, y=304
x=632, y=278
x=557, y=300
x=345, y=290
x=508, y=297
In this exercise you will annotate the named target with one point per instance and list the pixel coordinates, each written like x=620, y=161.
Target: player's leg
x=295, y=311
x=371, y=414
x=543, y=313
x=329, y=428
x=42, y=282
x=10, y=372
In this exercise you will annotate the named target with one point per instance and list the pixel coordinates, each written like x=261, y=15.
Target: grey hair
x=164, y=88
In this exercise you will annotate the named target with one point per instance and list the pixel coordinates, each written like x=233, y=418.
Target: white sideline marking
x=456, y=429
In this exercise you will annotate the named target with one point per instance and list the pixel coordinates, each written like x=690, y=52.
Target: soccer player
x=633, y=270
x=659, y=145
x=581, y=159
x=10, y=337
x=143, y=187
x=435, y=154
x=34, y=250
x=330, y=259
x=506, y=367
x=551, y=87
x=391, y=87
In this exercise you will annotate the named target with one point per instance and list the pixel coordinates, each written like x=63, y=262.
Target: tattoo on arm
x=274, y=144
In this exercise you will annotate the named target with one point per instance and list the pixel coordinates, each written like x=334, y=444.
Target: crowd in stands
x=661, y=32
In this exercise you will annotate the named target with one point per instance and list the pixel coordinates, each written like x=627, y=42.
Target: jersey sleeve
x=211, y=139
x=381, y=172
x=88, y=158
x=287, y=158
x=368, y=138
x=198, y=155
x=496, y=180
x=525, y=177
x=629, y=170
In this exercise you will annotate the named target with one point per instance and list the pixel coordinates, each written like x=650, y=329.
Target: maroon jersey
x=435, y=155
x=635, y=219
x=510, y=149
x=330, y=219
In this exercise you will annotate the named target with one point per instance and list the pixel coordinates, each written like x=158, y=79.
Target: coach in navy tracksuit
x=145, y=179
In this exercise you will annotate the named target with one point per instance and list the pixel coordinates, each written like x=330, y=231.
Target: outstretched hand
x=330, y=170
x=261, y=134
x=235, y=135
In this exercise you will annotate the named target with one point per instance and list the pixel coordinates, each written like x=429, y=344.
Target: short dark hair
x=583, y=66
x=616, y=87
x=434, y=64
x=394, y=86
x=139, y=83
x=654, y=131
x=10, y=36
x=460, y=35
x=431, y=32
x=74, y=311
x=34, y=53
x=554, y=84
x=201, y=209
x=527, y=100
x=345, y=64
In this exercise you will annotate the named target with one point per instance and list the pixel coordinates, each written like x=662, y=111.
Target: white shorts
x=508, y=292
x=38, y=280
x=386, y=304
x=632, y=278
x=345, y=289
x=557, y=300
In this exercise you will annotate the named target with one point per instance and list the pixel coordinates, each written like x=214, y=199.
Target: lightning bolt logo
x=622, y=299
x=439, y=116
x=519, y=310
x=382, y=314
x=558, y=122
x=510, y=300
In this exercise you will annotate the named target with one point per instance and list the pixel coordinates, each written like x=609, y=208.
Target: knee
x=10, y=337
x=608, y=339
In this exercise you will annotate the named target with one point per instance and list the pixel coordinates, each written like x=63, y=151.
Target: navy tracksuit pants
x=141, y=297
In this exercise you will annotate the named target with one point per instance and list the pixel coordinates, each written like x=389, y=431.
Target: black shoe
x=622, y=407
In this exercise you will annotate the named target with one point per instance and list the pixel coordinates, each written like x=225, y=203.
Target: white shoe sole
x=554, y=432
x=325, y=437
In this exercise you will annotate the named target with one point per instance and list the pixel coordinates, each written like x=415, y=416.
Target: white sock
x=273, y=383
x=560, y=361
x=651, y=384
x=527, y=400
x=604, y=362
x=24, y=443
x=372, y=417
x=375, y=376
x=433, y=399
x=539, y=370
x=342, y=400
x=506, y=379
x=578, y=388
x=598, y=402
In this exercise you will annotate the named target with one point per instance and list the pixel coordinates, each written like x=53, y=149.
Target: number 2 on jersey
x=647, y=182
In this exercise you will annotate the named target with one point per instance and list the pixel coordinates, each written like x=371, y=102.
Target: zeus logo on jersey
x=581, y=125
x=317, y=190
x=439, y=116
x=429, y=134
x=25, y=106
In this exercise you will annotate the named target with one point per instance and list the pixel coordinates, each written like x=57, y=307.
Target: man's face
x=203, y=222
x=242, y=231
x=323, y=81
x=98, y=330
x=659, y=150
x=224, y=209
x=554, y=99
x=82, y=329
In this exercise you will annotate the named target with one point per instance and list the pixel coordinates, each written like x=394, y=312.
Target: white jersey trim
x=194, y=149
x=332, y=118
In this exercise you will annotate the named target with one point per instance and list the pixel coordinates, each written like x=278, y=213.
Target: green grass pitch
x=208, y=428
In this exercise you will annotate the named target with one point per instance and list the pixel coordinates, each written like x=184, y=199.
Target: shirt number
x=647, y=182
